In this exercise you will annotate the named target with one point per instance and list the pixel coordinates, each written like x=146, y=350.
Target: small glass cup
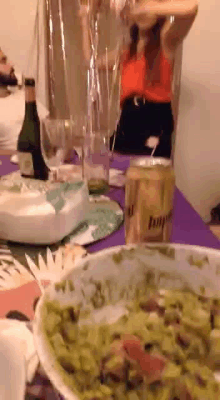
x=62, y=140
x=96, y=161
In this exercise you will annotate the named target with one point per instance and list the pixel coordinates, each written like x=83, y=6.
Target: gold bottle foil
x=149, y=193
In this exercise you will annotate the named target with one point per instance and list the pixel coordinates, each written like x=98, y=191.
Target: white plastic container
x=40, y=215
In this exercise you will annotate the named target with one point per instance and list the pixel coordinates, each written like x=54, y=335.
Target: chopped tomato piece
x=150, y=366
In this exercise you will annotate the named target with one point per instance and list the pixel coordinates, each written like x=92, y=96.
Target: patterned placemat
x=20, y=264
x=105, y=217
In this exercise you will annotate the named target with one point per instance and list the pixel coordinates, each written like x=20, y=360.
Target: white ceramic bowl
x=173, y=266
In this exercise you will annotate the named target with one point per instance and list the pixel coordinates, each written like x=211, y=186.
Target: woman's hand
x=164, y=8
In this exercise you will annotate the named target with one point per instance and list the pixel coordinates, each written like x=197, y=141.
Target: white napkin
x=21, y=336
x=13, y=373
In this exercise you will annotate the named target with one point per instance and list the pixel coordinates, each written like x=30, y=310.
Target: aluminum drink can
x=149, y=191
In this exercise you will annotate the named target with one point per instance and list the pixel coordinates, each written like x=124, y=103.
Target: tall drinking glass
x=96, y=161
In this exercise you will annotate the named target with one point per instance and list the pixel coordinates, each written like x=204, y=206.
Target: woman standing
x=157, y=27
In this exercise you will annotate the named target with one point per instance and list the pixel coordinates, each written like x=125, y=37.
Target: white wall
x=197, y=152
x=16, y=38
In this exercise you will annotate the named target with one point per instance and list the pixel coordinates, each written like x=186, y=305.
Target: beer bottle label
x=26, y=163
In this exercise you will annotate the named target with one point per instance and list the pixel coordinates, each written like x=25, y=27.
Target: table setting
x=26, y=269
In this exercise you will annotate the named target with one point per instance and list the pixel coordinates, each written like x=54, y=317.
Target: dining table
x=187, y=228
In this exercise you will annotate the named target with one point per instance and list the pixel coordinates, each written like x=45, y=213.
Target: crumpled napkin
x=20, y=333
x=38, y=385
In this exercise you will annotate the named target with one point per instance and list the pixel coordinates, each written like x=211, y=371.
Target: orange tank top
x=134, y=80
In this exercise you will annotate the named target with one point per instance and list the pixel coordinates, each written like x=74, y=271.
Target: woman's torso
x=135, y=79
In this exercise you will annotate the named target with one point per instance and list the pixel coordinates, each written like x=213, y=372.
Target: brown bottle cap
x=29, y=82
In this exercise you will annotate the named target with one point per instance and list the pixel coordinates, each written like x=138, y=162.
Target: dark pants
x=140, y=121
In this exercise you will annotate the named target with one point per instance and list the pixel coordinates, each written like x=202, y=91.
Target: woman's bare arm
x=166, y=7
x=172, y=33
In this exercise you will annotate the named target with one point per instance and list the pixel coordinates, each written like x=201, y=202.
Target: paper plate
x=113, y=275
x=105, y=217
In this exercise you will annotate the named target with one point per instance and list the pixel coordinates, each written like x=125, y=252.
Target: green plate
x=105, y=217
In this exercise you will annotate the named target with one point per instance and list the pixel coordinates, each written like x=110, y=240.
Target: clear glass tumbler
x=62, y=140
x=53, y=143
x=96, y=161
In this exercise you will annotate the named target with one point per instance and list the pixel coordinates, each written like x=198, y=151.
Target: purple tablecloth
x=188, y=227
